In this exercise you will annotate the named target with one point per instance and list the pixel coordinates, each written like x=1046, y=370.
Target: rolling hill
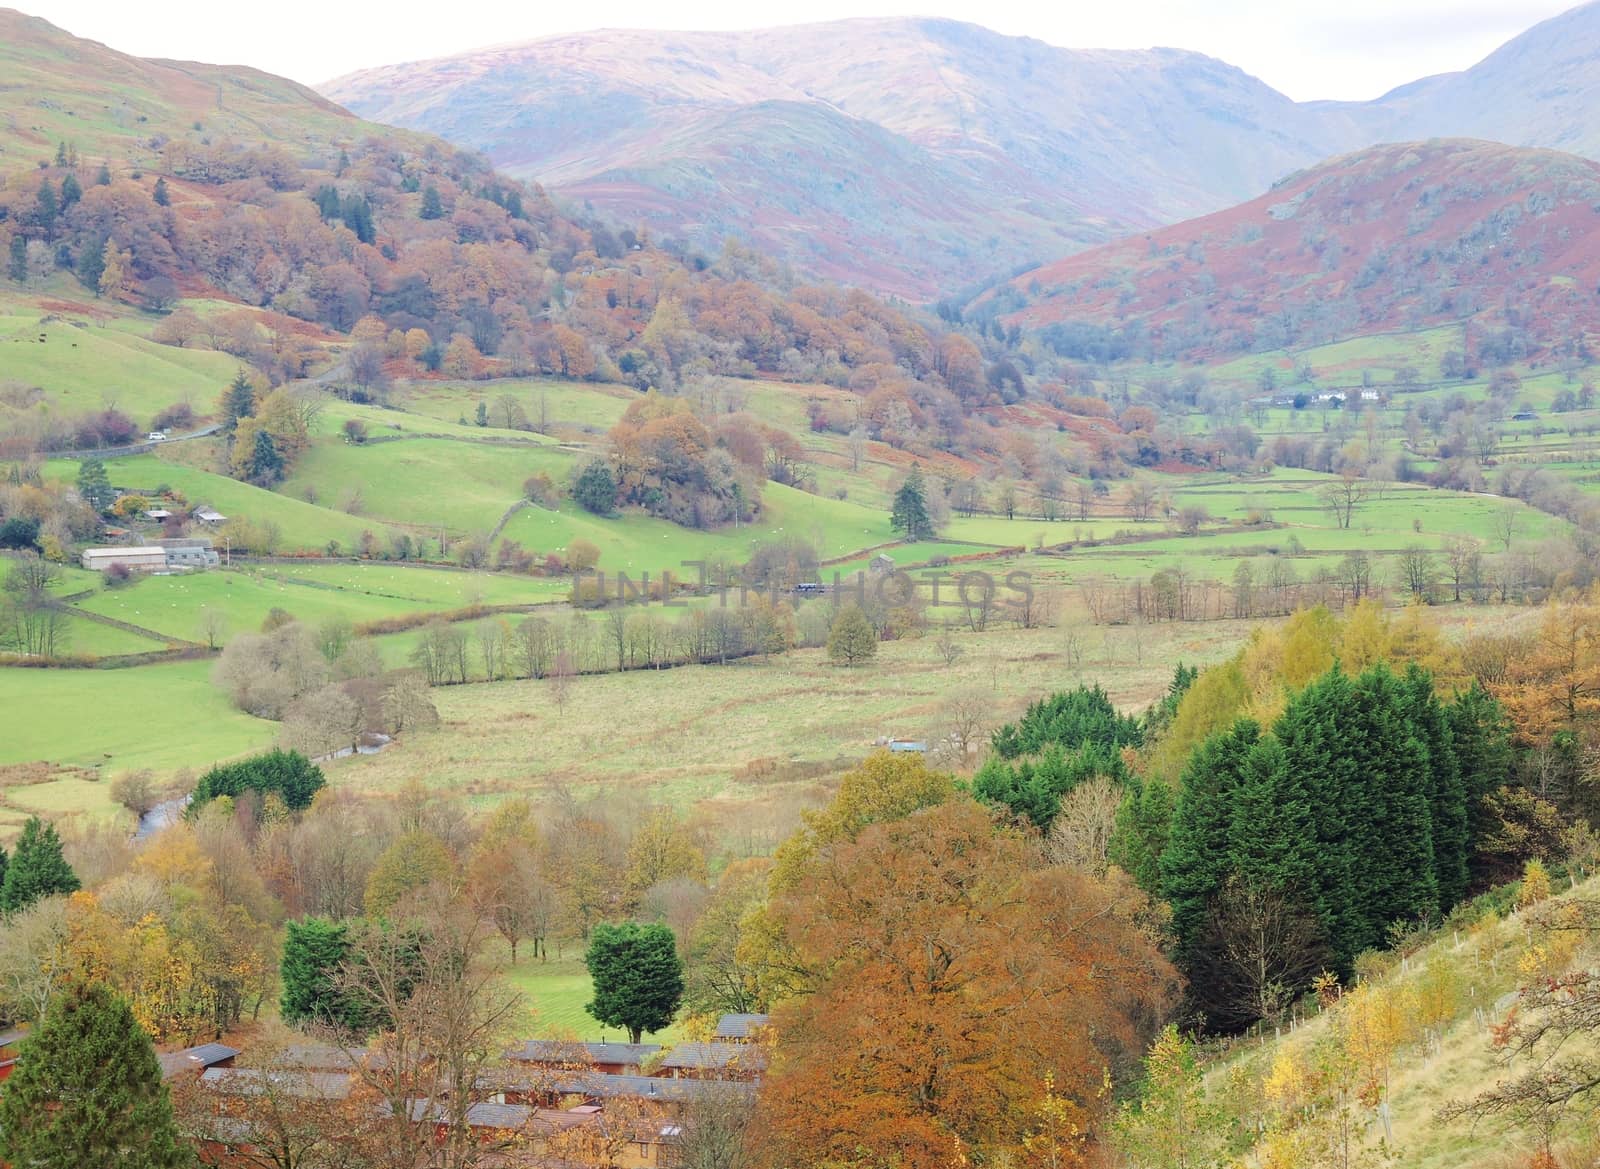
x=1391, y=238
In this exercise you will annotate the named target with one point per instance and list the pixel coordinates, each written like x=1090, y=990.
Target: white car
x=157, y=436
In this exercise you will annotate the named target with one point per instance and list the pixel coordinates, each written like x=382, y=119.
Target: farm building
x=207, y=515
x=149, y=559
x=190, y=552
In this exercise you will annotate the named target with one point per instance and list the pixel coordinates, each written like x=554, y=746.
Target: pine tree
x=87, y=1091
x=266, y=464
x=37, y=868
x=45, y=209
x=238, y=401
x=160, y=195
x=357, y=215
x=638, y=977
x=910, y=511
x=17, y=265
x=94, y=485
x=432, y=205
x=71, y=191
x=103, y=177
x=91, y=265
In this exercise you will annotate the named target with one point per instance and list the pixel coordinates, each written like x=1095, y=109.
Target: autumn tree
x=851, y=639
x=992, y=981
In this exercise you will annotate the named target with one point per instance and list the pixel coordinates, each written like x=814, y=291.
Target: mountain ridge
x=1065, y=148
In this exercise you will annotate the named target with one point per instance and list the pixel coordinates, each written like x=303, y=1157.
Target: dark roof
x=556, y=1051
x=652, y=1088
x=253, y=1082
x=194, y=1058
x=327, y=1057
x=715, y=1055
x=740, y=1026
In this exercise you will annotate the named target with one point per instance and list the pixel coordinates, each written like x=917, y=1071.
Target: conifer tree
x=910, y=511
x=17, y=264
x=238, y=401
x=160, y=195
x=314, y=953
x=94, y=485
x=91, y=265
x=1446, y=796
x=71, y=191
x=87, y=1091
x=1388, y=810
x=102, y=177
x=432, y=206
x=1195, y=863
x=266, y=464
x=37, y=868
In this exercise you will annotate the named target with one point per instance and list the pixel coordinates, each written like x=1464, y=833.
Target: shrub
x=288, y=773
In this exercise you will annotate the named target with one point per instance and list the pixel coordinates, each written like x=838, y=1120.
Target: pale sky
x=1308, y=49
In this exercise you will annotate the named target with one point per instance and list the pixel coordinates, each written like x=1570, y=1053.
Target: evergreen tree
x=3, y=861
x=91, y=265
x=910, y=511
x=1272, y=841
x=1144, y=825
x=1068, y=719
x=311, y=973
x=289, y=774
x=1195, y=862
x=160, y=195
x=514, y=205
x=357, y=215
x=103, y=177
x=37, y=868
x=327, y=200
x=238, y=401
x=595, y=490
x=17, y=265
x=61, y=153
x=1388, y=810
x=638, y=978
x=71, y=191
x=432, y=205
x=45, y=209
x=87, y=1091
x=94, y=485
x=266, y=464
x=1446, y=796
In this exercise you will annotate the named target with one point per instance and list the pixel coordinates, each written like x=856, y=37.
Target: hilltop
x=1392, y=238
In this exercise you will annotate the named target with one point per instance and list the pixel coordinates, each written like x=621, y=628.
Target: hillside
x=1392, y=238
x=848, y=148
x=62, y=88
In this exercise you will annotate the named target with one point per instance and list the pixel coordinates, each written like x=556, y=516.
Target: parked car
x=157, y=436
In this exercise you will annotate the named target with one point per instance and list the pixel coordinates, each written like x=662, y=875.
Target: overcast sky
x=1350, y=49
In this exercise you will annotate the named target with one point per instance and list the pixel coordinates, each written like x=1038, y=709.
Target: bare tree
x=561, y=672
x=1419, y=571
x=1505, y=524
x=1141, y=499
x=1463, y=562
x=1266, y=949
x=965, y=718
x=1343, y=496
x=950, y=650
x=1080, y=835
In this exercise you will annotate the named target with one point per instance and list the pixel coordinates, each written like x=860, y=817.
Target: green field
x=556, y=992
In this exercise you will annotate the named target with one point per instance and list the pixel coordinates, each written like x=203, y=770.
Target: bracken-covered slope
x=1393, y=237
x=909, y=155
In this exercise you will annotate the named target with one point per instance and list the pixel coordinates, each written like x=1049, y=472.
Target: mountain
x=1540, y=89
x=909, y=155
x=1390, y=238
x=921, y=156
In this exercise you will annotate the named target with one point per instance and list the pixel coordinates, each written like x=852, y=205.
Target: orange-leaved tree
x=960, y=985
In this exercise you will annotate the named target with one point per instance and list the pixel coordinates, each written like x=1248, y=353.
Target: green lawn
x=163, y=716
x=556, y=992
